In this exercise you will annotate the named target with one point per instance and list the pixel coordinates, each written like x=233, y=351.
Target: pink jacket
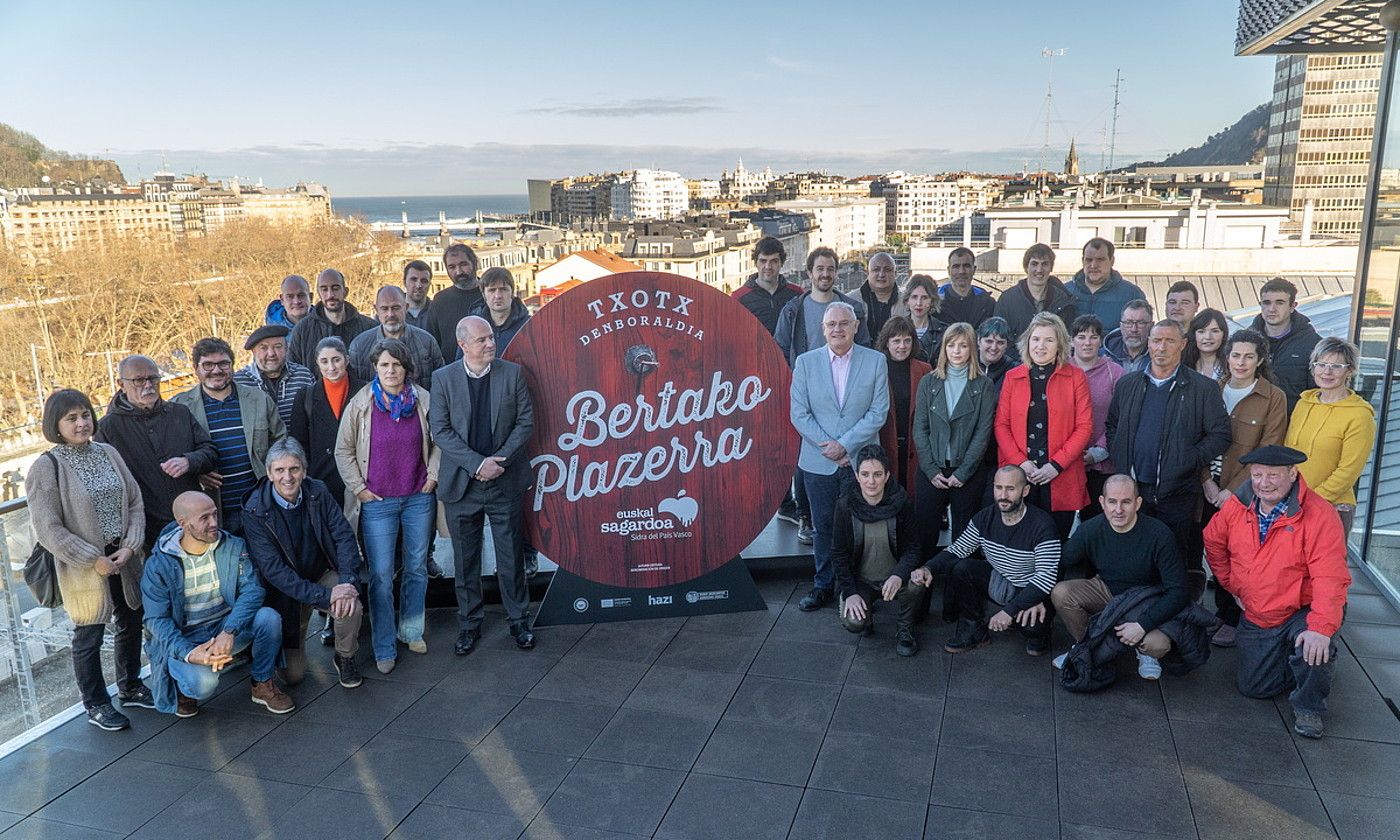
x=1102, y=377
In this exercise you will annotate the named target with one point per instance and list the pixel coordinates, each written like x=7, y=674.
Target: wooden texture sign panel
x=662, y=441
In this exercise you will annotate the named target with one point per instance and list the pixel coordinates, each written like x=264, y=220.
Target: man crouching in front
x=204, y=604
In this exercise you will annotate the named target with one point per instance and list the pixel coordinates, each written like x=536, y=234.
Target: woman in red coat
x=1045, y=418
x=899, y=343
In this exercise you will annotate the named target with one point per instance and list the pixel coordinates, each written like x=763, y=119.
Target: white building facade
x=650, y=194
x=845, y=225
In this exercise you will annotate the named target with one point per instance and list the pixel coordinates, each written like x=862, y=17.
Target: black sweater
x=1144, y=556
x=848, y=541
x=146, y=438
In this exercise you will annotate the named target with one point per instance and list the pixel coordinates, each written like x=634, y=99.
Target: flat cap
x=1274, y=456
x=263, y=333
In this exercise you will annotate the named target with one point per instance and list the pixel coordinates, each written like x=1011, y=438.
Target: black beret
x=1274, y=456
x=263, y=333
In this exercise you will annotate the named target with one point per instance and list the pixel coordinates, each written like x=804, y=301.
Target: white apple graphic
x=682, y=507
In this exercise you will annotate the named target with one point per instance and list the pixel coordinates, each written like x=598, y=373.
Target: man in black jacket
x=962, y=301
x=1123, y=550
x=457, y=301
x=879, y=292
x=1291, y=338
x=1165, y=425
x=307, y=555
x=333, y=316
x=165, y=448
x=767, y=292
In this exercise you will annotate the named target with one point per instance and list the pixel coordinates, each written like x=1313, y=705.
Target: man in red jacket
x=1279, y=549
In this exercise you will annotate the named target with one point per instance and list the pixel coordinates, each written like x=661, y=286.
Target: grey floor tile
x=7, y=819
x=1132, y=798
x=628, y=641
x=1373, y=640
x=701, y=651
x=752, y=623
x=798, y=659
x=605, y=682
x=977, y=780
x=223, y=807
x=949, y=823
x=1245, y=755
x=78, y=734
x=1362, y=817
x=1363, y=768
x=719, y=808
x=890, y=768
x=1073, y=831
x=819, y=626
x=1208, y=694
x=397, y=765
x=1385, y=673
x=512, y=782
x=652, y=739
x=1000, y=725
x=788, y=704
x=123, y=795
x=1370, y=609
x=370, y=707
x=1002, y=670
x=37, y=829
x=48, y=771
x=551, y=726
x=429, y=668
x=449, y=714
x=829, y=815
x=326, y=814
x=869, y=711
x=1132, y=701
x=699, y=694
x=499, y=672
x=209, y=740
x=878, y=666
x=298, y=752
x=613, y=797
x=236, y=697
x=1355, y=709
x=1226, y=810
x=438, y=822
x=545, y=829
x=760, y=753
x=549, y=641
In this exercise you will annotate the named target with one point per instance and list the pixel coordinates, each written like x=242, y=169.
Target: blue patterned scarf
x=400, y=405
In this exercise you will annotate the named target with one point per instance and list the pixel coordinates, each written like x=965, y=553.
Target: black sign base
x=574, y=600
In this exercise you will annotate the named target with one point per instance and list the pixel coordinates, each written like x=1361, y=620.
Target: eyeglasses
x=142, y=380
x=1330, y=367
x=224, y=365
x=1135, y=323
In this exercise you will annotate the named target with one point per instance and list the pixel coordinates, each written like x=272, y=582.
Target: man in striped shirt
x=1022, y=550
x=243, y=423
x=270, y=371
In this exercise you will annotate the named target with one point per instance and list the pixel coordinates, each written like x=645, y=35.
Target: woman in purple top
x=390, y=467
x=1086, y=342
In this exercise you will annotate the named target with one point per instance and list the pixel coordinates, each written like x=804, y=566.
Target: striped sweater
x=1026, y=555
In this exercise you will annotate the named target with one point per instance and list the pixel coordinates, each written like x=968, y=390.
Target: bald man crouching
x=204, y=604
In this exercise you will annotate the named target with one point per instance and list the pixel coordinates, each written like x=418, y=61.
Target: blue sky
x=445, y=98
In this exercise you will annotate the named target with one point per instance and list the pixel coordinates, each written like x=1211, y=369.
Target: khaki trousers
x=347, y=635
x=1078, y=601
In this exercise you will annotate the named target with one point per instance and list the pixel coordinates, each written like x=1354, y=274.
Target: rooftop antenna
x=1049, y=55
x=1113, y=132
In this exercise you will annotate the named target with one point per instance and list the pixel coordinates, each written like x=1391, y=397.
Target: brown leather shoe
x=268, y=694
x=185, y=707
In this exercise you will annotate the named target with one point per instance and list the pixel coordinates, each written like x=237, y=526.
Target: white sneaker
x=1059, y=661
x=1148, y=668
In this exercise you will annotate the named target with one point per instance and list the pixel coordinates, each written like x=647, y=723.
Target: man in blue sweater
x=1098, y=289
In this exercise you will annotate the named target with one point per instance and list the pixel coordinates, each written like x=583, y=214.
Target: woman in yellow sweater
x=1334, y=426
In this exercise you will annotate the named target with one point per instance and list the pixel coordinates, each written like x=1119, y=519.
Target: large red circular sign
x=662, y=441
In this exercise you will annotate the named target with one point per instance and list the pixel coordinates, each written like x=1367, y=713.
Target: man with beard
x=333, y=316
x=501, y=308
x=766, y=292
x=390, y=307
x=1022, y=551
x=800, y=323
x=1098, y=289
x=457, y=301
x=161, y=443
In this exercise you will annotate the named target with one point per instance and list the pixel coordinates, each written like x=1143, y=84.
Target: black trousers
x=930, y=502
x=465, y=522
x=87, y=650
x=1064, y=519
x=1182, y=514
x=1096, y=482
x=971, y=580
x=1225, y=607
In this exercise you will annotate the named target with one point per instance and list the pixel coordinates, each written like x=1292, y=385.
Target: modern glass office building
x=1302, y=27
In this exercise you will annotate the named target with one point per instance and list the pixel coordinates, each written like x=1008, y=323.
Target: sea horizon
x=425, y=208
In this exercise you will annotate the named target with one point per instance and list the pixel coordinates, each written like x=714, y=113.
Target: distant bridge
x=481, y=221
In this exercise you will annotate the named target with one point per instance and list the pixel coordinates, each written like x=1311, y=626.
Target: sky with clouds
x=413, y=97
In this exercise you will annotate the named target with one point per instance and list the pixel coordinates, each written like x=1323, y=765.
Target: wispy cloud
x=645, y=107
x=792, y=65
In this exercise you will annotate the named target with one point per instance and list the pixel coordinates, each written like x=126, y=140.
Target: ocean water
x=425, y=208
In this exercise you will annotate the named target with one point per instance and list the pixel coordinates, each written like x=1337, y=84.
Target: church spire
x=1072, y=160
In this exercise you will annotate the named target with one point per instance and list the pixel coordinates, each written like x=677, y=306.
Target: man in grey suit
x=840, y=399
x=481, y=418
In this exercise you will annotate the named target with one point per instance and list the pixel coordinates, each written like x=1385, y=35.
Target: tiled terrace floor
x=758, y=725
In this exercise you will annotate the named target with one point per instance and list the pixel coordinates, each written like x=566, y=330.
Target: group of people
x=1090, y=461
x=305, y=481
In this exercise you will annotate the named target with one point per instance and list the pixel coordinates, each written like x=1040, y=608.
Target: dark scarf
x=889, y=507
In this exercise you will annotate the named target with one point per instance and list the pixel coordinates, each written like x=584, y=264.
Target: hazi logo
x=658, y=600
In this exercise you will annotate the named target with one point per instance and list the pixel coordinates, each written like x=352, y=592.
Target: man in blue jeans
x=203, y=604
x=840, y=398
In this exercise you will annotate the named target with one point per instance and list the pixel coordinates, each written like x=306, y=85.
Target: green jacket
x=961, y=436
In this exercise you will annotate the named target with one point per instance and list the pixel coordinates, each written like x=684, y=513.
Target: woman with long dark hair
x=898, y=342
x=85, y=508
x=1205, y=345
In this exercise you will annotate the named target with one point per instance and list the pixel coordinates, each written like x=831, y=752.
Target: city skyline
x=365, y=102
